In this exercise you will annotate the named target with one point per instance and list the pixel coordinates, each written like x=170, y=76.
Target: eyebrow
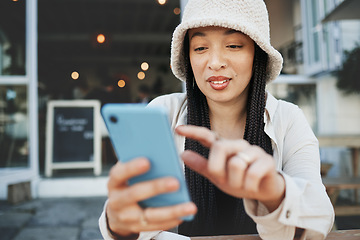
x=232, y=31
x=201, y=34
x=197, y=34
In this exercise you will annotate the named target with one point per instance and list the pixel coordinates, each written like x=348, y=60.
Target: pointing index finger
x=201, y=134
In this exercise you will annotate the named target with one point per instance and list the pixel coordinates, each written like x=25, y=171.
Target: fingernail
x=172, y=183
x=178, y=128
x=143, y=163
x=189, y=208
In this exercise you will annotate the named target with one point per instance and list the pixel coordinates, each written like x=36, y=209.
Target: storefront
x=42, y=53
x=46, y=45
x=43, y=46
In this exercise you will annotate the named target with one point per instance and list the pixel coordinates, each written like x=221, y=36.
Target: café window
x=12, y=38
x=14, y=94
x=13, y=126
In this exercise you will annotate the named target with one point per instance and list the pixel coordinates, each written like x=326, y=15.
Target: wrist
x=274, y=203
x=114, y=235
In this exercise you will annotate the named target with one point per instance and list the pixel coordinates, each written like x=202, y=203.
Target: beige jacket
x=296, y=152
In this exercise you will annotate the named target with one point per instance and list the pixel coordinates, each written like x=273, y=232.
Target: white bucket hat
x=247, y=16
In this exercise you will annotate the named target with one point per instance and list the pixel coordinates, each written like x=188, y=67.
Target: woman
x=251, y=162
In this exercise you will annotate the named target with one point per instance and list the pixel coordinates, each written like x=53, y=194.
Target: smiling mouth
x=220, y=82
x=218, y=79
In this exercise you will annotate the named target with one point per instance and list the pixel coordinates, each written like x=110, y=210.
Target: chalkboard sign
x=73, y=135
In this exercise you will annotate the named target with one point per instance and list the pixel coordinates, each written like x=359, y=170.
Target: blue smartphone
x=139, y=131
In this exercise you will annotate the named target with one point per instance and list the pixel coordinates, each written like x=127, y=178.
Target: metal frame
x=30, y=80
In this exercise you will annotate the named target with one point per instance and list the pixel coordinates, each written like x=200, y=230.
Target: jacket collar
x=270, y=107
x=269, y=114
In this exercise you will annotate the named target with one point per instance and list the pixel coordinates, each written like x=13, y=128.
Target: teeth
x=220, y=82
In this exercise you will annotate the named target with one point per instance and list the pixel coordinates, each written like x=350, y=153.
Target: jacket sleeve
x=306, y=204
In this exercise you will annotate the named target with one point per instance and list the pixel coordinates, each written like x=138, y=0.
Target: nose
x=217, y=60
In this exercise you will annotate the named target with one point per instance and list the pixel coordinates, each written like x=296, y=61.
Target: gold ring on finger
x=243, y=156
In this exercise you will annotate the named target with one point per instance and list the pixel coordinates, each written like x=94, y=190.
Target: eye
x=234, y=46
x=199, y=49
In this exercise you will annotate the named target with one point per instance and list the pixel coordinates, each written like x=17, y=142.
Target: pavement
x=72, y=219
x=52, y=219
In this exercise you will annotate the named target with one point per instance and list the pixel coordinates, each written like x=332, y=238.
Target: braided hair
x=218, y=212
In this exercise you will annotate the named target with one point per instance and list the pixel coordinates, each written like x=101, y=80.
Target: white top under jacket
x=296, y=152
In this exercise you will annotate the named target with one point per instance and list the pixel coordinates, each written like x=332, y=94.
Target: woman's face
x=222, y=61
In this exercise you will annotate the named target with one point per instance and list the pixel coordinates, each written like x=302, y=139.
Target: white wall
x=337, y=113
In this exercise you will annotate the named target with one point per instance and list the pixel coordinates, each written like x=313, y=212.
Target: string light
x=144, y=66
x=121, y=83
x=100, y=38
x=162, y=2
x=177, y=11
x=141, y=75
x=75, y=75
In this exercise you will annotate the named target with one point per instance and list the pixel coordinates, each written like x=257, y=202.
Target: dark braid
x=219, y=213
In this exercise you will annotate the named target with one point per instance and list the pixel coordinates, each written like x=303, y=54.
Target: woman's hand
x=236, y=167
x=125, y=216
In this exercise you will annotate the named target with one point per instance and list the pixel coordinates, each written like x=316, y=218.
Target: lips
x=218, y=82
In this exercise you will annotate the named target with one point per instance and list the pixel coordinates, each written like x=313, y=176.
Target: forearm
x=305, y=206
x=273, y=204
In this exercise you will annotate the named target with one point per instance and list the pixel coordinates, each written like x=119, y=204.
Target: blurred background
x=85, y=53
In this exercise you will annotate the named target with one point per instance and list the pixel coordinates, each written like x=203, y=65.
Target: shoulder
x=288, y=110
x=172, y=102
x=288, y=119
x=281, y=110
x=176, y=106
x=168, y=99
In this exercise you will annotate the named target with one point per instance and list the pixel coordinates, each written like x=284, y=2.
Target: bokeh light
x=177, y=11
x=162, y=2
x=75, y=75
x=141, y=75
x=100, y=38
x=121, y=83
x=144, y=66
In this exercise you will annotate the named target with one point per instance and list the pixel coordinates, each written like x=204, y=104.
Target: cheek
x=245, y=64
x=195, y=65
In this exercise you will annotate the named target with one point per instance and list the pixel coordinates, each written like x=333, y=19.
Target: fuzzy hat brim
x=253, y=26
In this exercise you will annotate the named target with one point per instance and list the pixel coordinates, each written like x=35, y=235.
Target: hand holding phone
x=139, y=131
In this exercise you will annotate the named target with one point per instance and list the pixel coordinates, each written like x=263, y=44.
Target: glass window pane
x=313, y=30
x=314, y=13
x=13, y=126
x=12, y=37
x=316, y=47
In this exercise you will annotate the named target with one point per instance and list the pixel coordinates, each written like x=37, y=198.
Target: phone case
x=139, y=131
